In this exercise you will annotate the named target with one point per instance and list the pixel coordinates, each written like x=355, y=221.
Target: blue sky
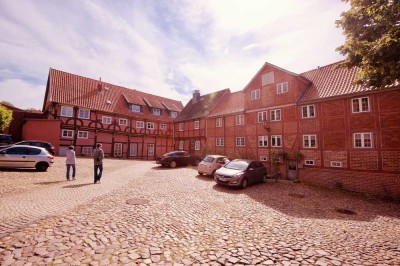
x=168, y=48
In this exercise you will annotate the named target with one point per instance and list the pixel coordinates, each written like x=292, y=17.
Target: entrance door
x=133, y=150
x=291, y=169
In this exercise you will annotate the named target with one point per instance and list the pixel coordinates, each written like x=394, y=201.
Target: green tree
x=372, y=31
x=5, y=117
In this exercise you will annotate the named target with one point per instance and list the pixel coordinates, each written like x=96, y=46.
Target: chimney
x=99, y=86
x=196, y=96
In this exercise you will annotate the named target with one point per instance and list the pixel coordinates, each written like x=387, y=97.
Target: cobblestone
x=185, y=219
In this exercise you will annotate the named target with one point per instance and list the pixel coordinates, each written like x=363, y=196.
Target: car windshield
x=208, y=159
x=237, y=165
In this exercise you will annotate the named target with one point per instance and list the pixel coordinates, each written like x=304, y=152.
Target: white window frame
x=139, y=124
x=262, y=116
x=118, y=149
x=123, y=122
x=67, y=133
x=150, y=125
x=173, y=114
x=181, y=145
x=308, y=141
x=336, y=164
x=133, y=149
x=87, y=150
x=362, y=139
x=67, y=111
x=262, y=141
x=156, y=111
x=84, y=113
x=197, y=124
x=163, y=126
x=218, y=122
x=197, y=145
x=358, y=102
x=239, y=120
x=309, y=162
x=107, y=120
x=150, y=149
x=240, y=142
x=135, y=108
x=275, y=115
x=255, y=94
x=263, y=158
x=282, y=87
x=83, y=134
x=275, y=140
x=181, y=126
x=219, y=142
x=308, y=111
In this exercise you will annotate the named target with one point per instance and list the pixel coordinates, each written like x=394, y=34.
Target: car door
x=14, y=157
x=32, y=156
x=251, y=173
x=185, y=158
x=258, y=171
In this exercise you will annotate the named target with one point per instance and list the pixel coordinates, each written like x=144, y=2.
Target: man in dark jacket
x=98, y=155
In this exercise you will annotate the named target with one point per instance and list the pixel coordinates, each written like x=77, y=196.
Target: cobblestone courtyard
x=142, y=214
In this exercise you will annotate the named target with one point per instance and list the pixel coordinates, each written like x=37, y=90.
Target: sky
x=168, y=48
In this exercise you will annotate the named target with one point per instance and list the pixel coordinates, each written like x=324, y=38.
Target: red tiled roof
x=229, y=104
x=330, y=81
x=66, y=88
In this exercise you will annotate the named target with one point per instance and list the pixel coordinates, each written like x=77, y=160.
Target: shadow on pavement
x=78, y=185
x=205, y=178
x=49, y=182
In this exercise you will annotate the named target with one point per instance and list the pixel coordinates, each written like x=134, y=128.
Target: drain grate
x=137, y=201
x=294, y=195
x=345, y=211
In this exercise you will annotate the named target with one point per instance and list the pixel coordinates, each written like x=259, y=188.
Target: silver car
x=25, y=156
x=210, y=164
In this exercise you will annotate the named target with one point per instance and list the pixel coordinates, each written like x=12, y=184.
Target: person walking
x=70, y=162
x=98, y=155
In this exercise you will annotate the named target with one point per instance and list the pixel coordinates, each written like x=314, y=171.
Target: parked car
x=210, y=164
x=23, y=156
x=174, y=158
x=39, y=143
x=5, y=139
x=240, y=173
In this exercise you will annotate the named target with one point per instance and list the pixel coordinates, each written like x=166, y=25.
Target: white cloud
x=22, y=94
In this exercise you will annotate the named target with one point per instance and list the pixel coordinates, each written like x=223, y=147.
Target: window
x=360, y=105
x=255, y=94
x=106, y=120
x=262, y=116
x=362, y=140
x=262, y=141
x=309, y=141
x=181, y=126
x=135, y=108
x=156, y=111
x=276, y=115
x=67, y=111
x=196, y=124
x=276, y=141
x=219, y=141
x=87, y=151
x=309, y=162
x=263, y=158
x=163, y=126
x=174, y=114
x=197, y=145
x=84, y=113
x=150, y=149
x=282, y=88
x=66, y=133
x=267, y=78
x=83, y=134
x=139, y=124
x=117, y=149
x=123, y=122
x=240, y=120
x=150, y=125
x=336, y=164
x=133, y=149
x=180, y=145
x=240, y=142
x=308, y=111
x=218, y=122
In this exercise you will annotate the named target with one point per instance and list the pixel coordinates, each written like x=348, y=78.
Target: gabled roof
x=202, y=107
x=229, y=104
x=330, y=81
x=70, y=89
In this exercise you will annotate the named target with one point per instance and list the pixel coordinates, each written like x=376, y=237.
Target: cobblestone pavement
x=142, y=214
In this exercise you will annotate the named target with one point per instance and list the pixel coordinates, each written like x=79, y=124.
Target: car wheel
x=244, y=183
x=172, y=164
x=212, y=174
x=200, y=173
x=42, y=167
x=264, y=178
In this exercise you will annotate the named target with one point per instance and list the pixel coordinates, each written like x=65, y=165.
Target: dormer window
x=173, y=114
x=135, y=108
x=156, y=111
